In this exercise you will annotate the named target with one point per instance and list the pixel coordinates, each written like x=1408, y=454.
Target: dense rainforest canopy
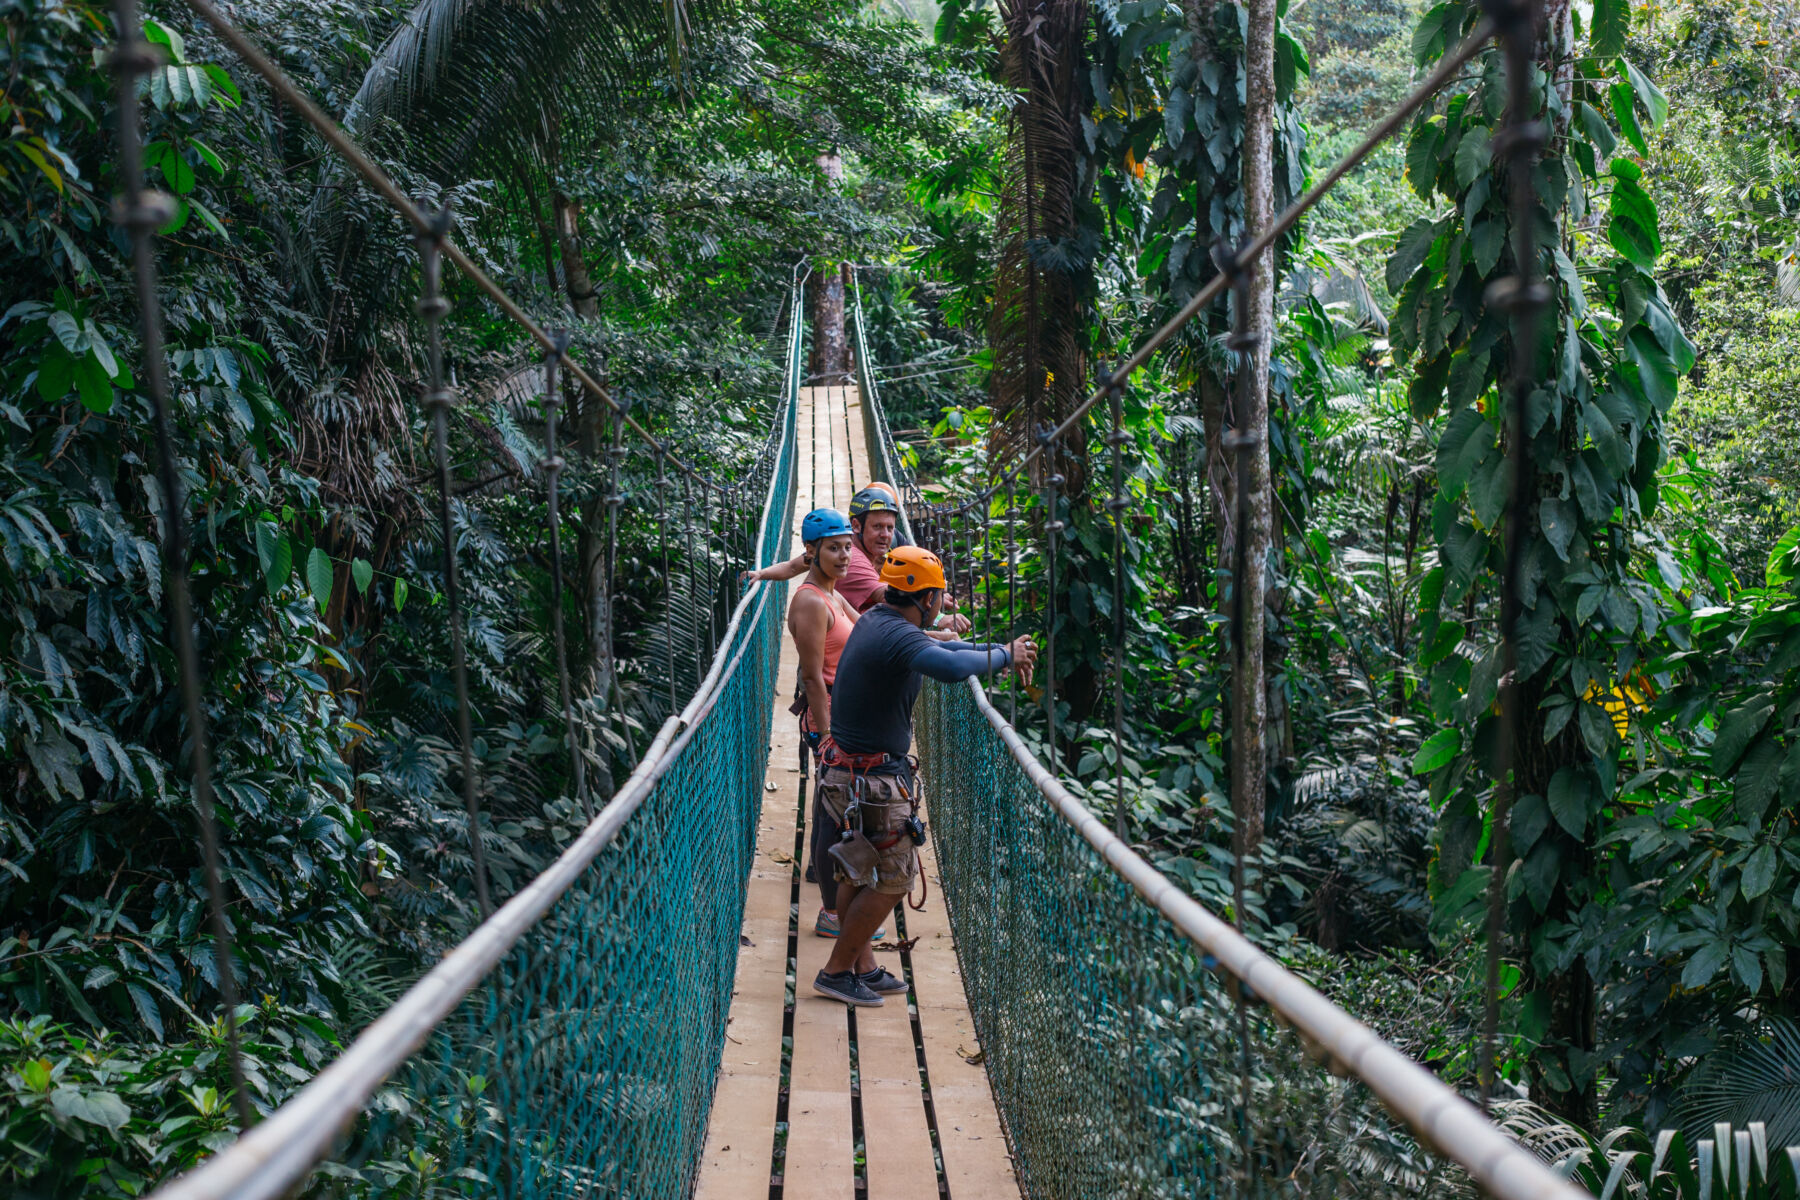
x=653, y=178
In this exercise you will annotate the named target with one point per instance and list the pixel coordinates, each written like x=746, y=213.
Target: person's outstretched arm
x=953, y=662
x=793, y=568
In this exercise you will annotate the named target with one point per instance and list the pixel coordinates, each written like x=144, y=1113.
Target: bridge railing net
x=581, y=1062
x=1118, y=1056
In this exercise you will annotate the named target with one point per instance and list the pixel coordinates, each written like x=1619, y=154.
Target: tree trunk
x=579, y=283
x=1249, y=751
x=829, y=362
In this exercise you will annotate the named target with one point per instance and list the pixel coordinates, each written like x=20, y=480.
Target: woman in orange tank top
x=819, y=618
x=820, y=621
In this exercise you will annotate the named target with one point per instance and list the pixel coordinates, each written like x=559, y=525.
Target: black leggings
x=825, y=833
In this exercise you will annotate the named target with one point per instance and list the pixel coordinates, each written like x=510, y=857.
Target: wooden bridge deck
x=816, y=1101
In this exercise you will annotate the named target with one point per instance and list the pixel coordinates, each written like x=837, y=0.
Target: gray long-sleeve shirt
x=879, y=675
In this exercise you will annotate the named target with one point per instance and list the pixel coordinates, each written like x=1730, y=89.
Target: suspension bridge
x=628, y=1023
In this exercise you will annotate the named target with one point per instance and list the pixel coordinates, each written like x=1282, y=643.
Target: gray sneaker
x=883, y=982
x=846, y=987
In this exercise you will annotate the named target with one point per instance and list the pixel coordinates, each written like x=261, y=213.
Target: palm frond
x=1755, y=1079
x=1045, y=254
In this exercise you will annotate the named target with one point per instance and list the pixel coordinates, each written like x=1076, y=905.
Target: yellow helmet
x=912, y=569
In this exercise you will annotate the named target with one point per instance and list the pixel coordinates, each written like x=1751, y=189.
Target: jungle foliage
x=646, y=178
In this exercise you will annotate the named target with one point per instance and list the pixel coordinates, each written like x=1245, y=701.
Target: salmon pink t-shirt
x=861, y=585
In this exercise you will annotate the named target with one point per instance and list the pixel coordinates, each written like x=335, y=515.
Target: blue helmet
x=824, y=523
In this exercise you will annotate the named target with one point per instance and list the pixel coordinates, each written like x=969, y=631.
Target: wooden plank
x=820, y=1154
x=976, y=1163
x=896, y=1139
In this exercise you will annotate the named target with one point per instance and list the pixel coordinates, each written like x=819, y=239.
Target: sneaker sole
x=824, y=933
x=852, y=1001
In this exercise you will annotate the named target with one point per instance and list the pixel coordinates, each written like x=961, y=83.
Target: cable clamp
x=145, y=212
x=438, y=398
x=1511, y=295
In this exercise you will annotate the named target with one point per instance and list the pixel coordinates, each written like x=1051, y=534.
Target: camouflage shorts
x=886, y=803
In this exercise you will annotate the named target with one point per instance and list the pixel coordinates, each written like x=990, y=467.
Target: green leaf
x=1655, y=369
x=36, y=1074
x=1594, y=127
x=1648, y=94
x=1410, y=251
x=1597, y=731
x=1608, y=27
x=362, y=574
x=1737, y=728
x=1759, y=871
x=93, y=384
x=1784, y=559
x=1422, y=156
x=1488, y=238
x=1465, y=442
x=1439, y=750
x=68, y=332
x=95, y=1108
x=1620, y=96
x=1530, y=817
x=1758, y=778
x=1474, y=154
x=1431, y=36
x=1490, y=486
x=1559, y=522
x=1705, y=964
x=56, y=374
x=224, y=90
x=320, y=577
x=1609, y=443
x=275, y=554
x=162, y=35
x=1571, y=790
x=400, y=590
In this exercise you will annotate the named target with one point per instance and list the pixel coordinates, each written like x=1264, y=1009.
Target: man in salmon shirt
x=874, y=521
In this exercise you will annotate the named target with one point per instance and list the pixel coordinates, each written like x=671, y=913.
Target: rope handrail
x=274, y=1156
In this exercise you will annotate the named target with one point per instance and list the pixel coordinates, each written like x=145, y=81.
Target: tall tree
x=1250, y=425
x=829, y=360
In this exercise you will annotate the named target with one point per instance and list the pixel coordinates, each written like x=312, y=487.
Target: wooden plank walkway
x=855, y=1120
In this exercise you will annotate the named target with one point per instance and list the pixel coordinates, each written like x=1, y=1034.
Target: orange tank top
x=837, y=635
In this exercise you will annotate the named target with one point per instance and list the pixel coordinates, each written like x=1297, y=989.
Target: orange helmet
x=912, y=569
x=878, y=486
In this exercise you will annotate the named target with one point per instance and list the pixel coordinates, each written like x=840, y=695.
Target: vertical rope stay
x=662, y=538
x=1116, y=506
x=1052, y=534
x=615, y=500
x=552, y=465
x=703, y=659
x=142, y=212
x=438, y=399
x=712, y=631
x=1012, y=590
x=1524, y=296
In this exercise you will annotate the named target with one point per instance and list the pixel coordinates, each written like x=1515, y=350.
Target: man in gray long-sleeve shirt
x=878, y=680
